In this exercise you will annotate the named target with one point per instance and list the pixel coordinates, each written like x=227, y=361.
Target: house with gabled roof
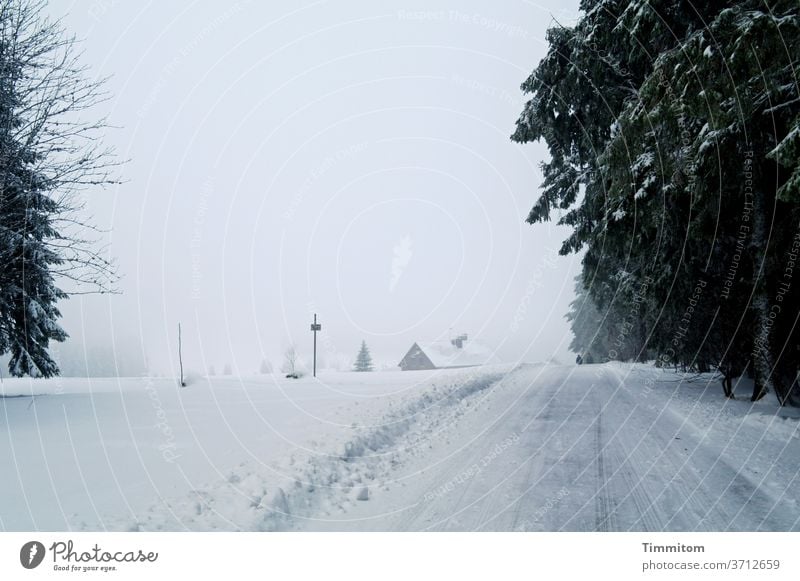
x=416, y=359
x=446, y=355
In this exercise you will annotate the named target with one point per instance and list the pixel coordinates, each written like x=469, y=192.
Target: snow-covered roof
x=445, y=354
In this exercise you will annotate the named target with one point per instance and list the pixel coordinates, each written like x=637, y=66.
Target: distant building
x=416, y=359
x=450, y=354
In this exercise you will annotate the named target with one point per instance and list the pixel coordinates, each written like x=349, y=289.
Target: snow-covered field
x=537, y=447
x=143, y=453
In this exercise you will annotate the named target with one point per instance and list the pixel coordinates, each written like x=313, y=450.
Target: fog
x=349, y=159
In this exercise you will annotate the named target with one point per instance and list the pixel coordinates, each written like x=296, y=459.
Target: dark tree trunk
x=787, y=387
x=727, y=386
x=762, y=356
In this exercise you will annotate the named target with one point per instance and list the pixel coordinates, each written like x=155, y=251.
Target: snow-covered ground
x=611, y=447
x=537, y=447
x=143, y=453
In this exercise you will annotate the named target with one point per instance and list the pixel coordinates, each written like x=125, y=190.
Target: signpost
x=315, y=327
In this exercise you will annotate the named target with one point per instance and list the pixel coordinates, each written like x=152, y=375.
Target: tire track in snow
x=604, y=506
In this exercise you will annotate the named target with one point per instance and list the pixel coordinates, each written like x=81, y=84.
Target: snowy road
x=592, y=449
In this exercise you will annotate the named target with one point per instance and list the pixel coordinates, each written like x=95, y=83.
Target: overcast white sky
x=346, y=158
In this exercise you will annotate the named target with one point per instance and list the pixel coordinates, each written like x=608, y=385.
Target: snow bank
x=327, y=485
x=322, y=481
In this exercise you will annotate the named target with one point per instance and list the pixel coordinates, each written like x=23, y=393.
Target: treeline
x=674, y=135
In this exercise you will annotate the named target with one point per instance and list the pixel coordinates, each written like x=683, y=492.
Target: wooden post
x=180, y=356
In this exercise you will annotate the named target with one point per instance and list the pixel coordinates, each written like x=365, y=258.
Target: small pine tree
x=266, y=367
x=227, y=369
x=363, y=360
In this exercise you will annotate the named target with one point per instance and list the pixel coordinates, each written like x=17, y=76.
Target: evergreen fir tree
x=674, y=136
x=363, y=359
x=48, y=152
x=28, y=294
